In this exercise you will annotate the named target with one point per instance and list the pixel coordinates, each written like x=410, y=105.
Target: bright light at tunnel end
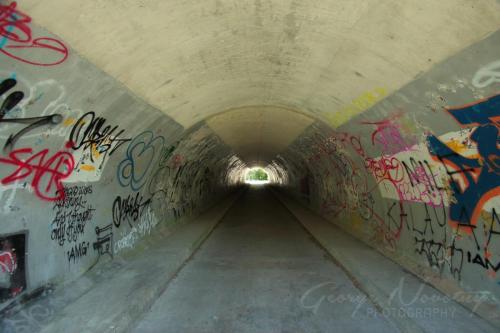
x=250, y=175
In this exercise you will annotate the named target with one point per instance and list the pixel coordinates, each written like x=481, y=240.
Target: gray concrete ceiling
x=259, y=133
x=327, y=59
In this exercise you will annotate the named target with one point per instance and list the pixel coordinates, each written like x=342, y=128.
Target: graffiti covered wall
x=417, y=175
x=86, y=168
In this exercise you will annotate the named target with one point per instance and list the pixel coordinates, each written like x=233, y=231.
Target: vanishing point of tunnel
x=249, y=166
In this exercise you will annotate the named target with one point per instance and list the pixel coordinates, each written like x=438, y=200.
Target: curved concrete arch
x=192, y=59
x=124, y=124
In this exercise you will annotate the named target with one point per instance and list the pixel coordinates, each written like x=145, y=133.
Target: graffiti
x=444, y=248
x=483, y=262
x=141, y=152
x=97, y=139
x=104, y=242
x=357, y=105
x=33, y=123
x=77, y=252
x=8, y=261
x=473, y=179
x=73, y=212
x=48, y=172
x=182, y=178
x=487, y=75
x=388, y=137
x=388, y=173
x=12, y=267
x=396, y=173
x=49, y=97
x=12, y=101
x=352, y=193
x=129, y=209
x=147, y=223
x=385, y=168
x=486, y=259
x=433, y=241
x=17, y=41
x=422, y=186
x=156, y=185
x=441, y=255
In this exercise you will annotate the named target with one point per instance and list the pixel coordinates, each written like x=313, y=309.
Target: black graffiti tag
x=128, y=209
x=93, y=134
x=10, y=102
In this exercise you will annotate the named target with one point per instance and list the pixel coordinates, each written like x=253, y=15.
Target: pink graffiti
x=414, y=183
x=49, y=171
x=17, y=37
x=388, y=169
x=388, y=137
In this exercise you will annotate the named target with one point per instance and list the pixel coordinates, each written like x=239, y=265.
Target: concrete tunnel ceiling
x=329, y=60
x=373, y=119
x=259, y=133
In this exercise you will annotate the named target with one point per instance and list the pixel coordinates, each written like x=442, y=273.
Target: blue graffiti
x=480, y=174
x=134, y=169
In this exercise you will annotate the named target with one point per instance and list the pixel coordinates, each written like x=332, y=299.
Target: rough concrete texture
x=417, y=175
x=259, y=272
x=121, y=118
x=192, y=59
x=87, y=168
x=411, y=304
x=115, y=293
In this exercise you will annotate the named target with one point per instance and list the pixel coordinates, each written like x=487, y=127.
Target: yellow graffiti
x=456, y=146
x=462, y=149
x=68, y=122
x=86, y=167
x=95, y=152
x=357, y=105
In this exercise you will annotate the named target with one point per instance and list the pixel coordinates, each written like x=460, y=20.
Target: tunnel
x=130, y=136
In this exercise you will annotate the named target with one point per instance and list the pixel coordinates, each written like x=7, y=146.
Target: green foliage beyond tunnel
x=257, y=174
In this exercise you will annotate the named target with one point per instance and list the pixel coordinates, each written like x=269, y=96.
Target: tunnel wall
x=417, y=174
x=86, y=168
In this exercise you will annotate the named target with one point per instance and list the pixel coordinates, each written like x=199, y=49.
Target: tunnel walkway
x=260, y=271
x=255, y=262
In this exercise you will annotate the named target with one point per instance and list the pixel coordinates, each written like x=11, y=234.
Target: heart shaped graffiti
x=134, y=169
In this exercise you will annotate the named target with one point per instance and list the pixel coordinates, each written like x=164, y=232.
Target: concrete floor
x=260, y=271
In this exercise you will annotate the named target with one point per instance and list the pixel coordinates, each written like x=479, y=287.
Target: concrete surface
x=411, y=303
x=128, y=159
x=251, y=131
x=192, y=59
x=115, y=293
x=381, y=116
x=399, y=176
x=259, y=271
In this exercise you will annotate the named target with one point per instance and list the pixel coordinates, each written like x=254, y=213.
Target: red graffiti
x=47, y=172
x=8, y=261
x=18, y=43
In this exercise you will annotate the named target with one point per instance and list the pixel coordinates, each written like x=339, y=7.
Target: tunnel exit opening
x=257, y=176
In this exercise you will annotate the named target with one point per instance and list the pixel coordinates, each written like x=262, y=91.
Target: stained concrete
x=259, y=272
x=254, y=264
x=111, y=296
x=388, y=68
x=411, y=303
